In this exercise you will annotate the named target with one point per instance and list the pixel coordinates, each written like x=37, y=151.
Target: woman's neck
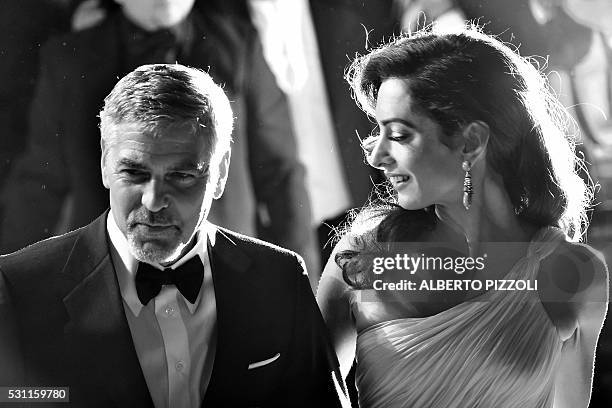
x=490, y=218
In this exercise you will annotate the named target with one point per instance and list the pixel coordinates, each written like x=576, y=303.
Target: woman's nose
x=380, y=156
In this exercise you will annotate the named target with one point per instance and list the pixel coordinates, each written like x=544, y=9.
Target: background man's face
x=153, y=15
x=159, y=189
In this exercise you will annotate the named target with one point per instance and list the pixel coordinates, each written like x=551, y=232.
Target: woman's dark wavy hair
x=461, y=77
x=458, y=78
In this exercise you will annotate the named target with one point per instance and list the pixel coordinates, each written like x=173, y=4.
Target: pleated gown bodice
x=497, y=350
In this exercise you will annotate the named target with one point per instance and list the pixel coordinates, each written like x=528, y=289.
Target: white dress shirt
x=175, y=340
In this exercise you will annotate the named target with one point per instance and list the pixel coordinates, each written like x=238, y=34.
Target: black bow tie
x=187, y=278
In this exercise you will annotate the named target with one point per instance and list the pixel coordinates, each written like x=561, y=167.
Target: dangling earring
x=468, y=190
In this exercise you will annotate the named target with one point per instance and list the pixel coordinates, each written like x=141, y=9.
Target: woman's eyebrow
x=404, y=122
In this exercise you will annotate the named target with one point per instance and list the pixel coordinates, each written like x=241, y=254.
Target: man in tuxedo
x=150, y=304
x=57, y=176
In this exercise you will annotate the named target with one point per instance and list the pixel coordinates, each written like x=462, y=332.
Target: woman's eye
x=397, y=136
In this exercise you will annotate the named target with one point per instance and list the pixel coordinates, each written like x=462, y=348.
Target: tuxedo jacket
x=70, y=329
x=63, y=154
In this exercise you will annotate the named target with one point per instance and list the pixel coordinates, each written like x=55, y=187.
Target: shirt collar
x=126, y=264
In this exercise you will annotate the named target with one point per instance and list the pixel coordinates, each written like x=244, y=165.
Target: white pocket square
x=264, y=362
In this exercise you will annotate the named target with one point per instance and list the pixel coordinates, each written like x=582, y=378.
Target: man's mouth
x=155, y=227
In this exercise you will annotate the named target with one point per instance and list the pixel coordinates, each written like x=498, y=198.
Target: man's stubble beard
x=150, y=252
x=161, y=251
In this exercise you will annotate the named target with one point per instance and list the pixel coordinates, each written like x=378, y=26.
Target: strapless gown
x=499, y=350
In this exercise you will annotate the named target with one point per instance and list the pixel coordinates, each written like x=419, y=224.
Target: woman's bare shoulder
x=576, y=270
x=573, y=286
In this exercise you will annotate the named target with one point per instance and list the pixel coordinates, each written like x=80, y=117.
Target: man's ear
x=223, y=172
x=105, y=180
x=475, y=138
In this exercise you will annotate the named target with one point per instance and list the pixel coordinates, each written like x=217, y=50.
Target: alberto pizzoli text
x=457, y=284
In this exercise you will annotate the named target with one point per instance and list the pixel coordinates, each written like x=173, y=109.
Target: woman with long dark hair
x=484, y=176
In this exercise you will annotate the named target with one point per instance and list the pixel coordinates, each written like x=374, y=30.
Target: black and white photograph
x=305, y=203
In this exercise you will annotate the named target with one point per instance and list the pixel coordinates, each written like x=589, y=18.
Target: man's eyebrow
x=189, y=165
x=127, y=162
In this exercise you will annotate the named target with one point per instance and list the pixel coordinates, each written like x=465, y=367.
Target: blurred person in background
x=24, y=26
x=344, y=28
x=307, y=44
x=416, y=13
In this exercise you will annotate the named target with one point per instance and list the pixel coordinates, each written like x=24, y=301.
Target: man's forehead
x=179, y=133
x=173, y=152
x=158, y=130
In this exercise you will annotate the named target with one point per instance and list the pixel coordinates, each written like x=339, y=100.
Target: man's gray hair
x=160, y=96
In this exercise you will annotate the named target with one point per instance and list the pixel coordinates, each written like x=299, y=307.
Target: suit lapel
x=229, y=264
x=98, y=334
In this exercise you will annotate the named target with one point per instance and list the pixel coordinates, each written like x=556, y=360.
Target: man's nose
x=380, y=156
x=154, y=196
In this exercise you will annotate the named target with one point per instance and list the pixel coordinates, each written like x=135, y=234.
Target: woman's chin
x=411, y=204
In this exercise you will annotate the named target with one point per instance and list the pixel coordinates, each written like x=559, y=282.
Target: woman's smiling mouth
x=398, y=180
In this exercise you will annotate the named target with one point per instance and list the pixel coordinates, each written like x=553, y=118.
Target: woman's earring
x=468, y=190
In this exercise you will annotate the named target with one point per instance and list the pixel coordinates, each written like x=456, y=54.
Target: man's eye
x=133, y=173
x=182, y=178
